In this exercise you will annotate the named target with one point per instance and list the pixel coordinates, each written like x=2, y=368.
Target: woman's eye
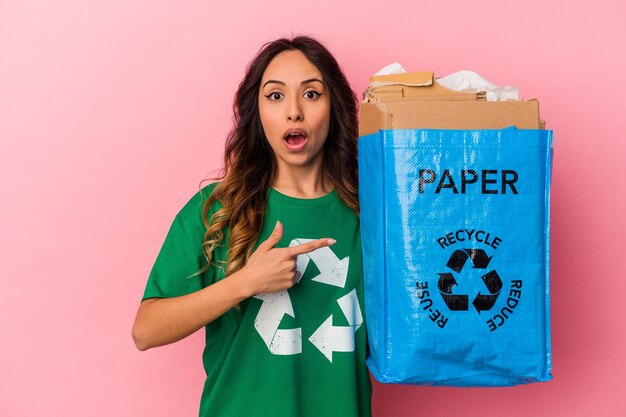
x=315, y=94
x=272, y=96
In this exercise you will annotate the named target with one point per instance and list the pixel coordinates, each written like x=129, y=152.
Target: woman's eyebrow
x=310, y=80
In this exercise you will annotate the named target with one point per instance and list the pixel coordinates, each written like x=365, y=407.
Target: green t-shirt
x=295, y=353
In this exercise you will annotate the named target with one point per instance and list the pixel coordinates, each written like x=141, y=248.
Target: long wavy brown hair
x=250, y=165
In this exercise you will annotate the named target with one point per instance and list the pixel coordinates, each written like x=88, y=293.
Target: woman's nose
x=294, y=112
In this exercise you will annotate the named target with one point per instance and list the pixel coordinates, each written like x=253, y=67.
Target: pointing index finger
x=310, y=246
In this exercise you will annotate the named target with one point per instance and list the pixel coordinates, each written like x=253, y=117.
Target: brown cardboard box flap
x=420, y=114
x=423, y=78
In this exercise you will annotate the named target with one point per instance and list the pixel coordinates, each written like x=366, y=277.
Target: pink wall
x=112, y=112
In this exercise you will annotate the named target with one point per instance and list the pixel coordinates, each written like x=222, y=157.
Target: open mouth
x=295, y=142
x=295, y=139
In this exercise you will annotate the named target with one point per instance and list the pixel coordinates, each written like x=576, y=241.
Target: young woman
x=268, y=259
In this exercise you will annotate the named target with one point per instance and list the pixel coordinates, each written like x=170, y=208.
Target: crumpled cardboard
x=413, y=100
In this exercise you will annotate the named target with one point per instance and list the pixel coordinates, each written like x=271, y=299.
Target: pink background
x=112, y=112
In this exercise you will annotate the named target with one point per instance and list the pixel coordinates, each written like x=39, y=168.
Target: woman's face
x=293, y=98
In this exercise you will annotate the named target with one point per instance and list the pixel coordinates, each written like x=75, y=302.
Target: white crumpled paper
x=394, y=68
x=470, y=81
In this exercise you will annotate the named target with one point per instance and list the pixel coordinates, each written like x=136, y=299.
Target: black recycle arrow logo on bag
x=459, y=302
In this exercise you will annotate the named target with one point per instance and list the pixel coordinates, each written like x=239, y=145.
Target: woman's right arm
x=161, y=321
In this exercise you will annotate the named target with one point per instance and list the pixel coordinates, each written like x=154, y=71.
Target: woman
x=268, y=260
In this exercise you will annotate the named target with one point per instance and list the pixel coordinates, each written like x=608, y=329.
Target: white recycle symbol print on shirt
x=327, y=338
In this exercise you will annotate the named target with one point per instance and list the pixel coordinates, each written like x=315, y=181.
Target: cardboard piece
x=416, y=101
x=417, y=85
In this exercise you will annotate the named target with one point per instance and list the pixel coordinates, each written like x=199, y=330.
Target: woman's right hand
x=271, y=269
x=161, y=321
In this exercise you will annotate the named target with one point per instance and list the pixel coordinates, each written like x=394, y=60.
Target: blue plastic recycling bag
x=455, y=237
